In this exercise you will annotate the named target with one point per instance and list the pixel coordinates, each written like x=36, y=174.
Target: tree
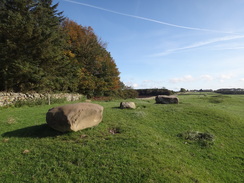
x=183, y=90
x=31, y=43
x=96, y=69
x=13, y=15
x=40, y=51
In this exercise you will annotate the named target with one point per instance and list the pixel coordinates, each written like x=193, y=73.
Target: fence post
x=49, y=100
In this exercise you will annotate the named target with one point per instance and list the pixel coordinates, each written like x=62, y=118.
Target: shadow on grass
x=38, y=131
x=116, y=108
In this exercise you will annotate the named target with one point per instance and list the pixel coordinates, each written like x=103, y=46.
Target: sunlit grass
x=141, y=145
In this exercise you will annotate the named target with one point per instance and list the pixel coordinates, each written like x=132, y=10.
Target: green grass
x=141, y=145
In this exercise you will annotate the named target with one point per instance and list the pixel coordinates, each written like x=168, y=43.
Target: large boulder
x=74, y=117
x=127, y=105
x=164, y=99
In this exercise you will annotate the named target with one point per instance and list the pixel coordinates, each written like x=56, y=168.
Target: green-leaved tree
x=31, y=45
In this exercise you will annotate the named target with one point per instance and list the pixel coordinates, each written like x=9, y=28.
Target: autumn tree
x=96, y=69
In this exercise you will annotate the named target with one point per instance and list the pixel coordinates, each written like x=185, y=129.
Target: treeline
x=230, y=91
x=154, y=92
x=42, y=51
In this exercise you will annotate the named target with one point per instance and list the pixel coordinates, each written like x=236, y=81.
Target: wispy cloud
x=148, y=19
x=228, y=46
x=200, y=44
x=187, y=78
x=203, y=78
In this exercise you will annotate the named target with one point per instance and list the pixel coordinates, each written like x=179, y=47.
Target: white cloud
x=151, y=84
x=187, y=78
x=226, y=76
x=135, y=85
x=131, y=84
x=148, y=81
x=223, y=77
x=207, y=77
x=242, y=79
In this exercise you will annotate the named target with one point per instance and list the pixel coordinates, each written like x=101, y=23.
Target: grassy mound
x=140, y=145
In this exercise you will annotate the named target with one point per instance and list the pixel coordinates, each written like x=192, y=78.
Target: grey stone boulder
x=127, y=105
x=74, y=117
x=164, y=99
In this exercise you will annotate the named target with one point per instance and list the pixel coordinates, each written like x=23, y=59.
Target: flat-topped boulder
x=74, y=117
x=165, y=99
x=127, y=105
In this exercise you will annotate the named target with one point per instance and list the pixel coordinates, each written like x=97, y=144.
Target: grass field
x=149, y=144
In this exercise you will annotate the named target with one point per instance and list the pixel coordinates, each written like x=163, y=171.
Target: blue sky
x=191, y=44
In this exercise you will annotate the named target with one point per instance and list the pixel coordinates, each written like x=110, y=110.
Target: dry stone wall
x=11, y=98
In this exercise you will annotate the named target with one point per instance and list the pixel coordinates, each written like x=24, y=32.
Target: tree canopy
x=97, y=71
x=42, y=51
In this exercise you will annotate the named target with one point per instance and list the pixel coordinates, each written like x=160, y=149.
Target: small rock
x=26, y=151
x=5, y=140
x=127, y=105
x=83, y=136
